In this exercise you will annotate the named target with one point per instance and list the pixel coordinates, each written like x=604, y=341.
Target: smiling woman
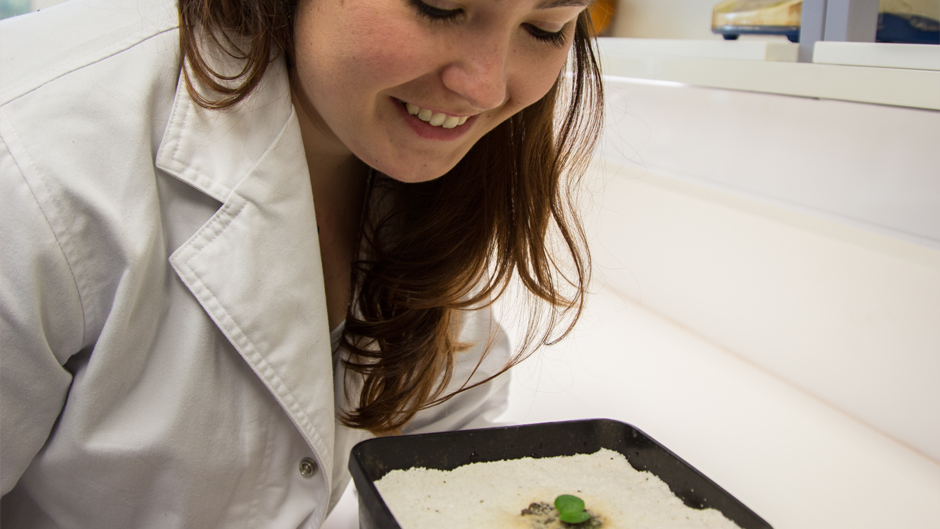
x=296, y=246
x=358, y=64
x=410, y=87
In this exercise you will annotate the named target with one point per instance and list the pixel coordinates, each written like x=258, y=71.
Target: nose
x=479, y=73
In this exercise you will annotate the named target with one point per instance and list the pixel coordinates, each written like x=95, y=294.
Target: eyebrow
x=549, y=4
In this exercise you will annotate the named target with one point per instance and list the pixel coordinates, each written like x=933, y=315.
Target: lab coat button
x=308, y=467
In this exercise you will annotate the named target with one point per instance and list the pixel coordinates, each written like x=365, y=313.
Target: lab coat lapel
x=255, y=265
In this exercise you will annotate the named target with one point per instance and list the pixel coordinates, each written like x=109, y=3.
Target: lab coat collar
x=255, y=265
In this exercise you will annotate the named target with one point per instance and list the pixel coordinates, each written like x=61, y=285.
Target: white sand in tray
x=492, y=495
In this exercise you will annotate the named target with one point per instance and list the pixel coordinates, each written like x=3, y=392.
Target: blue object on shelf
x=908, y=29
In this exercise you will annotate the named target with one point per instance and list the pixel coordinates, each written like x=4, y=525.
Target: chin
x=413, y=174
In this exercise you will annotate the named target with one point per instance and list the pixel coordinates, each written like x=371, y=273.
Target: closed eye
x=435, y=13
x=557, y=38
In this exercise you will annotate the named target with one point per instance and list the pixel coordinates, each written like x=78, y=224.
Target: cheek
x=379, y=46
x=337, y=57
x=534, y=78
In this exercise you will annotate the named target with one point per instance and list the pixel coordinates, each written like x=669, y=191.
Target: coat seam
x=74, y=69
x=173, y=119
x=58, y=237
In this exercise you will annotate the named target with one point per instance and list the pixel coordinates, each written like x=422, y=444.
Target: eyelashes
x=450, y=16
x=559, y=38
x=435, y=13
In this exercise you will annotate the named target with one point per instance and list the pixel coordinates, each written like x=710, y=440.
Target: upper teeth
x=436, y=119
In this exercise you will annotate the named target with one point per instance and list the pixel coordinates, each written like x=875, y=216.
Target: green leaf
x=579, y=517
x=568, y=503
x=571, y=509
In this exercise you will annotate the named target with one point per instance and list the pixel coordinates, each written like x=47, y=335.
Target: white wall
x=872, y=166
x=798, y=233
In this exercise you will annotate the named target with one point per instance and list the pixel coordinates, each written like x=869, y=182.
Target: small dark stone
x=539, y=509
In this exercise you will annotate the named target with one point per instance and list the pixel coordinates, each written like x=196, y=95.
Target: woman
x=181, y=241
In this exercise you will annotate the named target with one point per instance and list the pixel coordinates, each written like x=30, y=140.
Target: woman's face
x=409, y=86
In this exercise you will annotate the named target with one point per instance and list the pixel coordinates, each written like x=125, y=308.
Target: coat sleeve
x=481, y=406
x=41, y=321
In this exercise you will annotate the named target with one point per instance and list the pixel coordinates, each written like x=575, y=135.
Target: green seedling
x=571, y=509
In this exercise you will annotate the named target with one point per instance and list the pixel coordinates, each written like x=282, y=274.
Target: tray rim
x=387, y=520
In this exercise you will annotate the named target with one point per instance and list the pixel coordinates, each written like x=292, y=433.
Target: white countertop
x=796, y=461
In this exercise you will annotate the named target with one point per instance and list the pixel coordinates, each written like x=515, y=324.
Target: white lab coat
x=165, y=357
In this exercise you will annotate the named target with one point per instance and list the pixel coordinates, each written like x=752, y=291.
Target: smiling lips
x=435, y=119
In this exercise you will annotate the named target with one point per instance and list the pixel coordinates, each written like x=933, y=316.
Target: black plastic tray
x=371, y=460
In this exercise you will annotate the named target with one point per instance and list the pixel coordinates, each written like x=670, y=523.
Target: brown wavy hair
x=505, y=213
